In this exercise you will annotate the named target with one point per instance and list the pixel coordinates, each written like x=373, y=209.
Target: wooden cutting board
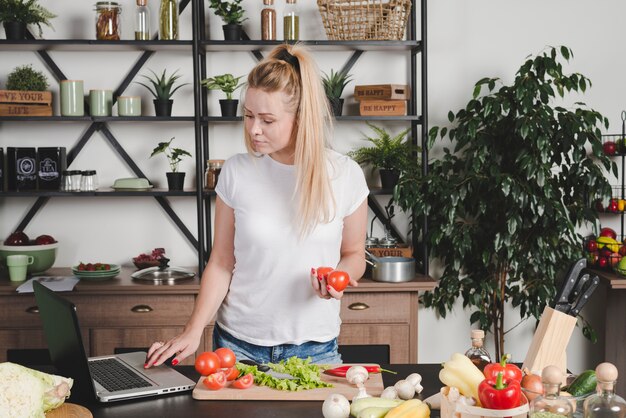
x=69, y=410
x=373, y=385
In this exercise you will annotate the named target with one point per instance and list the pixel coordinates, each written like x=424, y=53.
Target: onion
x=531, y=383
x=336, y=406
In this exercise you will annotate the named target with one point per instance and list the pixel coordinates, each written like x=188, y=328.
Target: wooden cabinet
x=121, y=314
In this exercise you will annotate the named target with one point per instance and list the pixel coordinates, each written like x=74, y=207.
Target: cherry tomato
x=244, y=382
x=207, y=363
x=226, y=356
x=338, y=279
x=231, y=373
x=322, y=272
x=215, y=381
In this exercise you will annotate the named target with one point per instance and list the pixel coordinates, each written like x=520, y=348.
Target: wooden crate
x=25, y=103
x=382, y=107
x=382, y=92
x=399, y=251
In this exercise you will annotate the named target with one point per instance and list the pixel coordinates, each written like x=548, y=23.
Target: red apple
x=612, y=205
x=609, y=148
x=605, y=252
x=608, y=232
x=44, y=240
x=603, y=262
x=17, y=238
x=592, y=245
x=614, y=259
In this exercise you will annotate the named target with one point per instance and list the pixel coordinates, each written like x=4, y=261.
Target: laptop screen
x=60, y=325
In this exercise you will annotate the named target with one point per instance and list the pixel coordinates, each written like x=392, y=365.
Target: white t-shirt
x=270, y=300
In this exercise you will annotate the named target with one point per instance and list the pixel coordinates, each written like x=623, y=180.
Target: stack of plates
x=98, y=274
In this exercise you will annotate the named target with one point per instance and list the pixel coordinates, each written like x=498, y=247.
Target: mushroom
x=336, y=406
x=362, y=393
x=415, y=379
x=357, y=375
x=405, y=389
x=389, y=393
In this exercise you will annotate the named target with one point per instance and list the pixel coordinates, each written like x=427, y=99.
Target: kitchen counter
x=183, y=405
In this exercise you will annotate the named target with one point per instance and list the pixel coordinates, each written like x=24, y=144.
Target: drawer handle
x=33, y=310
x=141, y=309
x=358, y=306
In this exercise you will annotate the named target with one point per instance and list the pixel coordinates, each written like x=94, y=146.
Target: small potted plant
x=162, y=89
x=333, y=86
x=232, y=14
x=390, y=155
x=175, y=179
x=26, y=92
x=17, y=14
x=227, y=83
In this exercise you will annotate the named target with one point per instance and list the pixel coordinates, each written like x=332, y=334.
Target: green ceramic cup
x=18, y=264
x=72, y=98
x=100, y=102
x=129, y=106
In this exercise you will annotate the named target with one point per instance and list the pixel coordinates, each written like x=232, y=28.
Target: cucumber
x=583, y=384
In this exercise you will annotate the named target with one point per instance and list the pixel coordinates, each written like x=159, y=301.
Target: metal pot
x=392, y=269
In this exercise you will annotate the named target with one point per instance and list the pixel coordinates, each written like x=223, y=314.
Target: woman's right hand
x=182, y=346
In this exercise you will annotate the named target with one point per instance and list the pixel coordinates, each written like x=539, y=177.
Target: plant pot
x=229, y=107
x=232, y=32
x=15, y=31
x=163, y=107
x=175, y=181
x=336, y=105
x=389, y=178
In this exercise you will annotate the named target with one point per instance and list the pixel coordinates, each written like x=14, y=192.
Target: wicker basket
x=364, y=19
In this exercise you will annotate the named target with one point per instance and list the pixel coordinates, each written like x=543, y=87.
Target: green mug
x=100, y=102
x=129, y=106
x=18, y=264
x=72, y=98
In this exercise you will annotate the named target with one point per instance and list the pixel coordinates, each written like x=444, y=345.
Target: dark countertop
x=183, y=405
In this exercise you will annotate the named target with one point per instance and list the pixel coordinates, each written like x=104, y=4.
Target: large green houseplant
x=504, y=205
x=17, y=14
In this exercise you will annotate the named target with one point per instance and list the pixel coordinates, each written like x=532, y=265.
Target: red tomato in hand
x=322, y=272
x=231, y=373
x=338, y=279
x=244, y=382
x=227, y=357
x=215, y=381
x=207, y=363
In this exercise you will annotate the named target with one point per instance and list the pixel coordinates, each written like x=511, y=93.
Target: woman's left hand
x=323, y=289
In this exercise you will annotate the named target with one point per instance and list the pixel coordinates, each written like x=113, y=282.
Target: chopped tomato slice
x=215, y=381
x=244, y=382
x=231, y=373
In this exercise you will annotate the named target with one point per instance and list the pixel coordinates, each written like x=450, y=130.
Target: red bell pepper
x=499, y=393
x=509, y=371
x=341, y=371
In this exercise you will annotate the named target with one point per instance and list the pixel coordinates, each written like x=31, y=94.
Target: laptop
x=104, y=378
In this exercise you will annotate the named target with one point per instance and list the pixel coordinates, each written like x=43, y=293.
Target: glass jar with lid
x=108, y=24
x=212, y=173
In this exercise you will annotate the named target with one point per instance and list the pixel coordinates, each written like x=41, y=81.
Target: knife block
x=549, y=343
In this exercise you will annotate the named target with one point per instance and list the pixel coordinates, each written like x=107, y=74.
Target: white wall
x=468, y=40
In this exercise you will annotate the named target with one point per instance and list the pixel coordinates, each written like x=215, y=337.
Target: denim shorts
x=320, y=353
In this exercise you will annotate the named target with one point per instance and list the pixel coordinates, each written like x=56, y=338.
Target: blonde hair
x=292, y=70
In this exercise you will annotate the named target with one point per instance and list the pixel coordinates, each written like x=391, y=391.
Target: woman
x=283, y=209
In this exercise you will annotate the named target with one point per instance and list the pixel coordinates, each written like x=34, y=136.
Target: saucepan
x=391, y=269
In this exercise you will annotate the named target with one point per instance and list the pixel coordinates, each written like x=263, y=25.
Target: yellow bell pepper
x=461, y=373
x=413, y=408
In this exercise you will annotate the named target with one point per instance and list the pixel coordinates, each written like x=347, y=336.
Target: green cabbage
x=26, y=393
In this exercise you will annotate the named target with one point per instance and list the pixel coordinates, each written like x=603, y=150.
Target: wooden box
x=382, y=92
x=399, y=251
x=25, y=103
x=459, y=410
x=382, y=107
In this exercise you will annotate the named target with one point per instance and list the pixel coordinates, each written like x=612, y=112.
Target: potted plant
x=26, y=93
x=390, y=155
x=510, y=193
x=175, y=179
x=232, y=14
x=333, y=86
x=16, y=14
x=227, y=83
x=162, y=89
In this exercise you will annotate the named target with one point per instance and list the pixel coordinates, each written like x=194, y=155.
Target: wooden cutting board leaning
x=374, y=387
x=69, y=410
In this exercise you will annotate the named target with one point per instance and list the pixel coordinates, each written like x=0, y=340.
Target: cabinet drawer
x=19, y=311
x=152, y=310
x=396, y=336
x=376, y=307
x=28, y=339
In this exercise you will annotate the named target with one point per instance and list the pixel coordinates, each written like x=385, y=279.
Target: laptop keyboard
x=115, y=376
